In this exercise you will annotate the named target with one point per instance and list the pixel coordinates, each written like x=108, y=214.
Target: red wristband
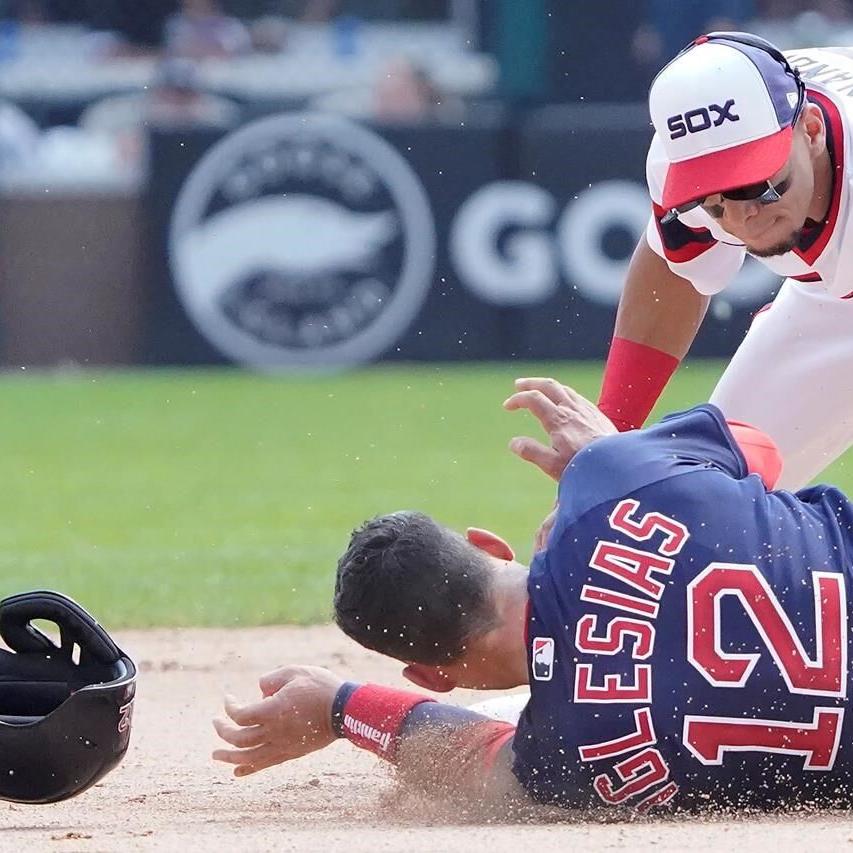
x=634, y=378
x=374, y=715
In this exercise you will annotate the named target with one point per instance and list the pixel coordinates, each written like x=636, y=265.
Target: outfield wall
x=305, y=240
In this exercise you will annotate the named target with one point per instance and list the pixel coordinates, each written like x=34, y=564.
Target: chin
x=780, y=247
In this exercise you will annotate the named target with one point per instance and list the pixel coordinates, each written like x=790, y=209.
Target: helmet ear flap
x=76, y=627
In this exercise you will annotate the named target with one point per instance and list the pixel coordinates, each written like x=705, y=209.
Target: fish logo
x=302, y=241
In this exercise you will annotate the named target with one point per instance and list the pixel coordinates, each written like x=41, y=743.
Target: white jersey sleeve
x=692, y=245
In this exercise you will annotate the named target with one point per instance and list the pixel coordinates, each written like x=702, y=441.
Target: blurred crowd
x=86, y=80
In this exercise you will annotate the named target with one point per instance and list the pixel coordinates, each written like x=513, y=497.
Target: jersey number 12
x=710, y=738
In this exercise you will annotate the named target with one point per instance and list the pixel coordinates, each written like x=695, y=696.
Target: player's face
x=772, y=229
x=767, y=229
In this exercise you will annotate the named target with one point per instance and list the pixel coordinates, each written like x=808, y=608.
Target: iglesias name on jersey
x=688, y=632
x=698, y=249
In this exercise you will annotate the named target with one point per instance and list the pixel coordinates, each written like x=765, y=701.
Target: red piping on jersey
x=497, y=735
x=689, y=249
x=807, y=278
x=835, y=129
x=761, y=310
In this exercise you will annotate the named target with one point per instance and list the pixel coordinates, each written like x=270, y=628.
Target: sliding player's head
x=419, y=592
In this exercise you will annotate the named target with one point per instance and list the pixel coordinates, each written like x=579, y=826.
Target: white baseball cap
x=724, y=110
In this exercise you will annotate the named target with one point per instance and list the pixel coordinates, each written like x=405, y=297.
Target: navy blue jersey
x=687, y=632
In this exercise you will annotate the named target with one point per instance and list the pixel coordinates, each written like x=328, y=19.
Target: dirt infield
x=168, y=794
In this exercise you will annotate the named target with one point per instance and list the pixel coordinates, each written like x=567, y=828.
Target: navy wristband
x=341, y=698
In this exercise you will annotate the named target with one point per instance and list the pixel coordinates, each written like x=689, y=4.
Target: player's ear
x=815, y=127
x=489, y=542
x=429, y=677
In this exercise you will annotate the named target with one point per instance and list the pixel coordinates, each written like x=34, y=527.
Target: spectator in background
x=320, y=11
x=201, y=30
x=403, y=92
x=668, y=29
x=269, y=34
x=790, y=23
x=175, y=99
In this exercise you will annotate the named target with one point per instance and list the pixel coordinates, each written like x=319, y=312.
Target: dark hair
x=412, y=589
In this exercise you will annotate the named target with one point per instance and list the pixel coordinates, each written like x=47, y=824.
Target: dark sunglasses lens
x=747, y=193
x=690, y=205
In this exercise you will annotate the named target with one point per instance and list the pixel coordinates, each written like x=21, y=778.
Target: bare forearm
x=659, y=308
x=659, y=315
x=438, y=748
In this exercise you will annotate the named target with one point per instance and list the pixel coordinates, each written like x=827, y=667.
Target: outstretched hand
x=570, y=420
x=293, y=719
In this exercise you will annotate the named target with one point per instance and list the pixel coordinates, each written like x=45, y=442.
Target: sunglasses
x=763, y=192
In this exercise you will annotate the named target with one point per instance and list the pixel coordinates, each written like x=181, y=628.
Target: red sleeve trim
x=680, y=242
x=497, y=736
x=819, y=237
x=760, y=451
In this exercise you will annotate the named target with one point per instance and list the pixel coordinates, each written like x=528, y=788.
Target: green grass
x=223, y=498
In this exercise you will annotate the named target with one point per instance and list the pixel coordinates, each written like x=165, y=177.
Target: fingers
x=537, y=404
x=245, y=756
x=239, y=736
x=248, y=769
x=262, y=763
x=272, y=682
x=544, y=531
x=555, y=391
x=255, y=713
x=248, y=761
x=545, y=458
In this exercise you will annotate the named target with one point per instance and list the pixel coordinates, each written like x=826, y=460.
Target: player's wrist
x=372, y=716
x=342, y=696
x=634, y=378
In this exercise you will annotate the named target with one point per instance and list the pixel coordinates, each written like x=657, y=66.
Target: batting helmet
x=65, y=711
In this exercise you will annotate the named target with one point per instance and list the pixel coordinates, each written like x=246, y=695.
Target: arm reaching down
x=658, y=318
x=440, y=749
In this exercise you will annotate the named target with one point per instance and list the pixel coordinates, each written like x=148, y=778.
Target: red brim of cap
x=727, y=169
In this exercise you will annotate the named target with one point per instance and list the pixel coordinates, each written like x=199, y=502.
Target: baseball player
x=684, y=634
x=751, y=155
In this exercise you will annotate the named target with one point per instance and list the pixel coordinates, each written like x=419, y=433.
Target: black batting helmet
x=65, y=710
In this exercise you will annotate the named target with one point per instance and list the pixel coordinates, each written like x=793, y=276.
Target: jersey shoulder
x=614, y=467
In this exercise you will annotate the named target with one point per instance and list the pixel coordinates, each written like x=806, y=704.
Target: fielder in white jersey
x=751, y=155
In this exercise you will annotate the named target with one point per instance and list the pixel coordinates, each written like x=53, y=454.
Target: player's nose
x=739, y=213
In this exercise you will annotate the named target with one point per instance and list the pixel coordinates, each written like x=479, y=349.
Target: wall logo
x=512, y=244
x=543, y=658
x=302, y=241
